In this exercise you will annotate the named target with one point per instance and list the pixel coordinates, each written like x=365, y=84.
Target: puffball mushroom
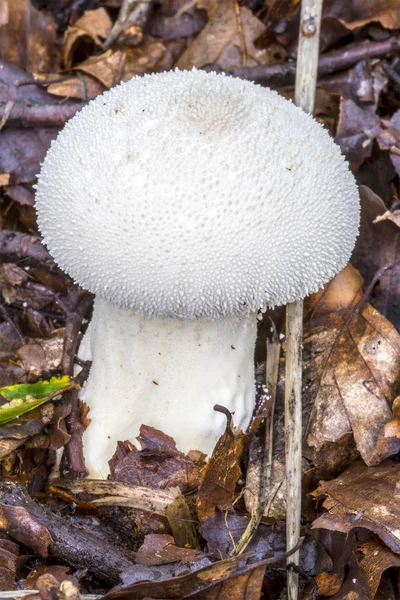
x=187, y=202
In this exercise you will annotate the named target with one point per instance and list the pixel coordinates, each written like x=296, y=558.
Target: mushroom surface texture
x=188, y=201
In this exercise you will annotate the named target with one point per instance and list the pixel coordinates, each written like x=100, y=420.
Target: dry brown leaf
x=351, y=363
x=28, y=39
x=107, y=67
x=377, y=559
x=363, y=497
x=94, y=26
x=357, y=13
x=144, y=58
x=17, y=522
x=160, y=549
x=220, y=475
x=85, y=88
x=219, y=41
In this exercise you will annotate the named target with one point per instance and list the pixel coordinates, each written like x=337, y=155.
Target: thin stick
x=306, y=81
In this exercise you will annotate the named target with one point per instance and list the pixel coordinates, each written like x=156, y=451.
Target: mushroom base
x=167, y=373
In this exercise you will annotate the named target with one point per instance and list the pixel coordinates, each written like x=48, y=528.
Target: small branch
x=132, y=12
x=74, y=449
x=72, y=545
x=49, y=115
x=306, y=82
x=283, y=75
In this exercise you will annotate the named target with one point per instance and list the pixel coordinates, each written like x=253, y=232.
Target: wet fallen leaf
x=220, y=475
x=377, y=559
x=24, y=397
x=363, y=497
x=159, y=549
x=355, y=586
x=17, y=522
x=219, y=41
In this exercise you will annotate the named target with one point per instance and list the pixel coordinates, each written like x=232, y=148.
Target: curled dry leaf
x=220, y=475
x=93, y=26
x=17, y=522
x=351, y=363
x=363, y=497
x=377, y=559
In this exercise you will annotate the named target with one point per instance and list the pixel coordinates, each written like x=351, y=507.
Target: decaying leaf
x=363, y=497
x=9, y=555
x=106, y=68
x=351, y=361
x=384, y=238
x=159, y=464
x=231, y=579
x=17, y=522
x=220, y=475
x=357, y=128
x=24, y=397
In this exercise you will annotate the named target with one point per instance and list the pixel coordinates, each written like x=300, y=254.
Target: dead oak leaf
x=363, y=497
x=17, y=522
x=351, y=359
x=219, y=41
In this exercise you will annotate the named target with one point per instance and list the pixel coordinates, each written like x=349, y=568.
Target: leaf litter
x=167, y=517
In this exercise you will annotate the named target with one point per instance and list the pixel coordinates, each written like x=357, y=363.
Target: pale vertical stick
x=306, y=81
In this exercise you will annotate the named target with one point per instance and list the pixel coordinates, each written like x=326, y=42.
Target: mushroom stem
x=167, y=373
x=306, y=82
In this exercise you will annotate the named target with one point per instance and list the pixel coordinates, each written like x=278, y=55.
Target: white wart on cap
x=186, y=199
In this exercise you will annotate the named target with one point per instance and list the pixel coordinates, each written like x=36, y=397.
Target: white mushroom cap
x=188, y=194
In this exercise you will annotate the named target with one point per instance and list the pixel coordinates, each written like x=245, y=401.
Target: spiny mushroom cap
x=188, y=194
